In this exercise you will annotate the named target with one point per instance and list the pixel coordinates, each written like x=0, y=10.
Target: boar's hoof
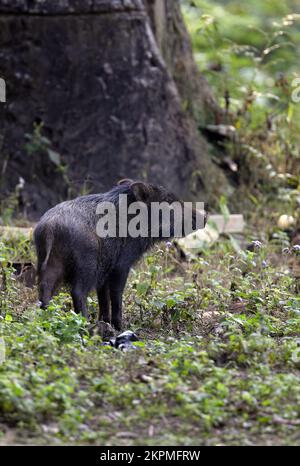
x=102, y=329
x=117, y=324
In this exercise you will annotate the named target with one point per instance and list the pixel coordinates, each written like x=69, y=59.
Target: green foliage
x=219, y=356
x=10, y=204
x=249, y=53
x=218, y=362
x=240, y=45
x=37, y=143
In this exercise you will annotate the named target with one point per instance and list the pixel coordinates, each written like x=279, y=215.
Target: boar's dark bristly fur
x=69, y=250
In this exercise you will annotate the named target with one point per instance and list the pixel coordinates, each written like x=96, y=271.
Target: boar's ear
x=125, y=181
x=140, y=190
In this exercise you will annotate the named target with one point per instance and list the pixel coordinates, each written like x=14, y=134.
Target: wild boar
x=70, y=249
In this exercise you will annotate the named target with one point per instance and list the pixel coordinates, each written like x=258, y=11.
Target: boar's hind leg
x=117, y=282
x=48, y=280
x=45, y=294
x=103, y=299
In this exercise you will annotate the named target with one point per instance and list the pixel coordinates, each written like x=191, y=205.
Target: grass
x=218, y=361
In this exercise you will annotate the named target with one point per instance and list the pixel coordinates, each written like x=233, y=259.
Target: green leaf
x=224, y=208
x=142, y=288
x=54, y=157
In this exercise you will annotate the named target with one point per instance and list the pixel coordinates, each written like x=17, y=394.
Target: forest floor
x=218, y=359
x=217, y=362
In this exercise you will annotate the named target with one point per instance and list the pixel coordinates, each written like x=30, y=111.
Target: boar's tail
x=44, y=242
x=49, y=243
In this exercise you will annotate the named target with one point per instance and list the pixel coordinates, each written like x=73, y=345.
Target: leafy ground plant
x=218, y=361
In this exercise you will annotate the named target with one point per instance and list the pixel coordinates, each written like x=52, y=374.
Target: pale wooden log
x=11, y=233
x=217, y=224
x=234, y=224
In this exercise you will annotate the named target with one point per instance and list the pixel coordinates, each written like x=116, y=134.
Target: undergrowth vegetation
x=249, y=53
x=217, y=362
x=218, y=356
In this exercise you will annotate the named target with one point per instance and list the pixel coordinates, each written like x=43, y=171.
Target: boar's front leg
x=104, y=304
x=117, y=282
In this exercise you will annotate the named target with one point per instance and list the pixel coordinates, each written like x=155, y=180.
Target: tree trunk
x=110, y=95
x=175, y=45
